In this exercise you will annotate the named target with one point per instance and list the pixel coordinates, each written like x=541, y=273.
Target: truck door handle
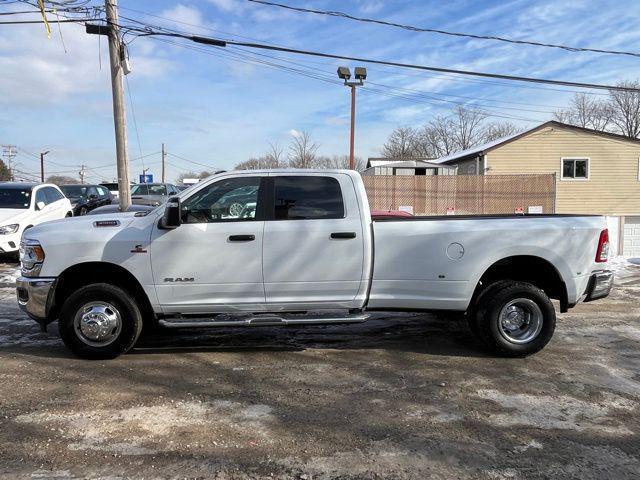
x=343, y=235
x=242, y=238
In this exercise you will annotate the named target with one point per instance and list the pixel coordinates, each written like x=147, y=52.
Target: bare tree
x=302, y=151
x=400, y=144
x=467, y=126
x=626, y=109
x=275, y=156
x=340, y=162
x=191, y=174
x=496, y=130
x=587, y=112
x=61, y=180
x=443, y=135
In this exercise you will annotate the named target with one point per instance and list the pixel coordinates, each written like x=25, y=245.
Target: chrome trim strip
x=259, y=321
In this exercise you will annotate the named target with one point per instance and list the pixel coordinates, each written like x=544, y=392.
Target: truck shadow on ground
x=416, y=333
x=419, y=333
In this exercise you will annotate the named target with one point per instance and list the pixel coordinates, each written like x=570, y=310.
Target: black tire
x=83, y=211
x=126, y=308
x=487, y=324
x=68, y=215
x=489, y=290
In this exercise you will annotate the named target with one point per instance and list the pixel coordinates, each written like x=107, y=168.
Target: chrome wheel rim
x=235, y=209
x=97, y=324
x=520, y=320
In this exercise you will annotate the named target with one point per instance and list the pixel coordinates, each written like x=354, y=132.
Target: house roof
x=406, y=162
x=486, y=147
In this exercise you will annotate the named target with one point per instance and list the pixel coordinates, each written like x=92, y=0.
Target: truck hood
x=85, y=226
x=13, y=215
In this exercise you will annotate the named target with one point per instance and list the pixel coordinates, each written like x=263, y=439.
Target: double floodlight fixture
x=360, y=74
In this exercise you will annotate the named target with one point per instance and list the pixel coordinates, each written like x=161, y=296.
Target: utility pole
x=164, y=157
x=9, y=152
x=81, y=173
x=119, y=117
x=42, y=154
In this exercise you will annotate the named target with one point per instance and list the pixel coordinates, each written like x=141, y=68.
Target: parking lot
x=401, y=396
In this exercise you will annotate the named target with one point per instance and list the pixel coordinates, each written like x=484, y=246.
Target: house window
x=575, y=169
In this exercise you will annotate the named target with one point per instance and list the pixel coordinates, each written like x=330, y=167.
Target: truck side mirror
x=40, y=205
x=171, y=217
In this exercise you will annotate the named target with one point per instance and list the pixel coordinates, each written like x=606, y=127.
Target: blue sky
x=217, y=108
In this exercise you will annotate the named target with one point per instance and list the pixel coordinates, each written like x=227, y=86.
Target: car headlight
x=31, y=255
x=6, y=229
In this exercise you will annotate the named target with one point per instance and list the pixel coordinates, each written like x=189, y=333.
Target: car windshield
x=74, y=191
x=145, y=189
x=110, y=186
x=15, y=197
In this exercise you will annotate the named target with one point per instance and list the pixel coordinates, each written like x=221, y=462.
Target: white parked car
x=24, y=205
x=295, y=248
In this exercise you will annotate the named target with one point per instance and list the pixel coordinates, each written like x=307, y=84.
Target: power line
x=329, y=78
x=221, y=43
x=445, y=32
x=190, y=161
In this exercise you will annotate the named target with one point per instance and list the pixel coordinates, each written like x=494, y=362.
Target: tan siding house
x=596, y=173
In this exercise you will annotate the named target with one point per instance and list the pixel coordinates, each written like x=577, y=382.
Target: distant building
x=399, y=166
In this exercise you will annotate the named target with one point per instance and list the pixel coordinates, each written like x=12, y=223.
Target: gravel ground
x=401, y=396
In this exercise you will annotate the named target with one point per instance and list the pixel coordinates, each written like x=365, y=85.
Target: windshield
x=15, y=197
x=144, y=189
x=110, y=186
x=74, y=191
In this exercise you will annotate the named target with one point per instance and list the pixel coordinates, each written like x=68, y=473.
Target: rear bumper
x=599, y=286
x=35, y=297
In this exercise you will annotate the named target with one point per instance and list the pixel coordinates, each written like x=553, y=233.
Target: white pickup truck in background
x=283, y=247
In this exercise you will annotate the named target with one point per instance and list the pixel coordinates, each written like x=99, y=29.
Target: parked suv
x=85, y=198
x=152, y=194
x=23, y=205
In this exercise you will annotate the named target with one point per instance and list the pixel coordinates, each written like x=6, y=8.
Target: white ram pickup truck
x=284, y=247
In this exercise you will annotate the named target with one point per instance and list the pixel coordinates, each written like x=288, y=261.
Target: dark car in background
x=85, y=198
x=152, y=194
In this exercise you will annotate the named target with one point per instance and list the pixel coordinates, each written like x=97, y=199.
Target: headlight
x=31, y=254
x=6, y=229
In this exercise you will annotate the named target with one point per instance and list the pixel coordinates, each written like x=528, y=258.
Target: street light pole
x=42, y=154
x=352, y=161
x=345, y=74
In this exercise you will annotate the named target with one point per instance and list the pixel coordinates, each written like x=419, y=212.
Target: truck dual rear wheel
x=514, y=319
x=100, y=321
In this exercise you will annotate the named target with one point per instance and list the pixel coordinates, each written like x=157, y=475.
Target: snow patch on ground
x=623, y=266
x=9, y=276
x=559, y=412
x=145, y=430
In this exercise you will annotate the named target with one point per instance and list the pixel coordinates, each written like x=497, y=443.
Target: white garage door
x=632, y=237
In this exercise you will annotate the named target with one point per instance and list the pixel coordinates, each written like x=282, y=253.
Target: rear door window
x=41, y=196
x=53, y=195
x=306, y=198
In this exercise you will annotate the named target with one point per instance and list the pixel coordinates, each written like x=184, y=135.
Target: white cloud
x=371, y=6
x=234, y=6
x=36, y=70
x=294, y=133
x=186, y=15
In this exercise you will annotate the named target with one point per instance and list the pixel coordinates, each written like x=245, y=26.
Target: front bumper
x=9, y=242
x=600, y=285
x=35, y=297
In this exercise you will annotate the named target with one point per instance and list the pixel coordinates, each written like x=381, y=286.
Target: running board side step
x=260, y=321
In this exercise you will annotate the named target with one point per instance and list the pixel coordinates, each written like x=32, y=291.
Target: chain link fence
x=462, y=194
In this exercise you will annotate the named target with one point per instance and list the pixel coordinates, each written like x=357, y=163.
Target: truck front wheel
x=514, y=319
x=100, y=321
